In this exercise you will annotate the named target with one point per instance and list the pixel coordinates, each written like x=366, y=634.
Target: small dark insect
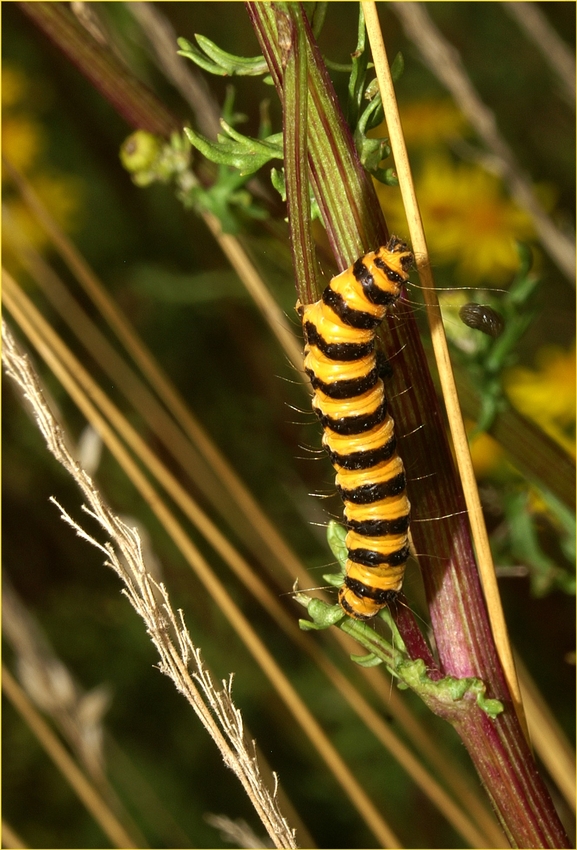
x=482, y=318
x=359, y=435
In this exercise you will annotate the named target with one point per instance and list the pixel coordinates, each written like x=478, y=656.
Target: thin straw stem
x=82, y=787
x=270, y=601
x=19, y=306
x=456, y=424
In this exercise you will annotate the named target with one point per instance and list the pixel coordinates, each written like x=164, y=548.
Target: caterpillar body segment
x=359, y=435
x=353, y=415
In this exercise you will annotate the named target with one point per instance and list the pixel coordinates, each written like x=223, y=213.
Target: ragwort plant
x=347, y=204
x=463, y=683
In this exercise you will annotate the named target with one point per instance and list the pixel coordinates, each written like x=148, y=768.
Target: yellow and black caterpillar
x=359, y=435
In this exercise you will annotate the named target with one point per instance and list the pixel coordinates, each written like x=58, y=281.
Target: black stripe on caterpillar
x=349, y=399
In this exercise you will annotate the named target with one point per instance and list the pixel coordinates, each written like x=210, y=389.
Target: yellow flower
x=547, y=395
x=21, y=141
x=14, y=85
x=468, y=220
x=486, y=454
x=62, y=195
x=428, y=122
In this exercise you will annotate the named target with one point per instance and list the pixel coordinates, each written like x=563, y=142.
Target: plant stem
x=133, y=100
x=462, y=632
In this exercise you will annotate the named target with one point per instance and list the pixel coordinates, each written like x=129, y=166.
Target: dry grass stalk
x=166, y=629
x=51, y=743
x=10, y=838
x=190, y=445
x=48, y=343
x=236, y=832
x=50, y=685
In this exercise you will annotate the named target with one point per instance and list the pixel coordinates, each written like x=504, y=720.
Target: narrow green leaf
x=219, y=62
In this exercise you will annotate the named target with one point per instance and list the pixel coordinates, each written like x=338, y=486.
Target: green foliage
x=546, y=574
x=449, y=694
x=336, y=534
x=219, y=62
x=487, y=357
x=449, y=697
x=237, y=151
x=247, y=155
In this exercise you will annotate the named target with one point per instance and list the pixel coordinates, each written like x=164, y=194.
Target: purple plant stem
x=131, y=98
x=355, y=224
x=460, y=623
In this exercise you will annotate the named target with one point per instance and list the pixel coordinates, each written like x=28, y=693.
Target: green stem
x=330, y=150
x=295, y=114
x=463, y=636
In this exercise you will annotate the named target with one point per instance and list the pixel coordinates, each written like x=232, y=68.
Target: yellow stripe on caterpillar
x=361, y=405
x=352, y=479
x=368, y=442
x=382, y=547
x=329, y=371
x=330, y=326
x=388, y=510
x=389, y=579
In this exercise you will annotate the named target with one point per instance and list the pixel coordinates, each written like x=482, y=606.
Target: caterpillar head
x=397, y=256
x=388, y=267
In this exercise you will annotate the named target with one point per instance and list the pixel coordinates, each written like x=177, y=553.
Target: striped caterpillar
x=349, y=399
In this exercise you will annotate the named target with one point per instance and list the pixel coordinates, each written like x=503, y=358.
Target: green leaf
x=358, y=75
x=525, y=544
x=317, y=17
x=245, y=154
x=398, y=67
x=336, y=535
x=566, y=519
x=369, y=660
x=324, y=616
x=278, y=182
x=334, y=579
x=219, y=62
x=447, y=694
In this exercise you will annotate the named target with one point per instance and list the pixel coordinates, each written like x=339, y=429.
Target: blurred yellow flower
x=486, y=454
x=21, y=141
x=468, y=219
x=14, y=85
x=547, y=395
x=62, y=195
x=428, y=122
